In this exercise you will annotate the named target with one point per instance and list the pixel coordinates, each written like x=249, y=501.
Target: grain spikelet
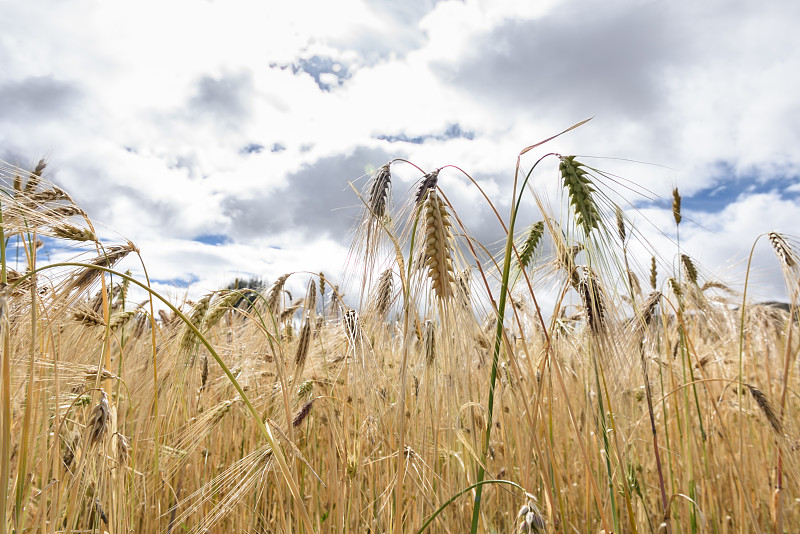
x=588, y=287
x=384, y=294
x=620, y=223
x=653, y=273
x=782, y=249
x=437, y=253
x=579, y=187
x=221, y=305
x=379, y=191
x=766, y=408
x=676, y=206
x=98, y=420
x=274, y=294
x=73, y=233
x=301, y=415
x=531, y=242
x=429, y=338
x=689, y=268
x=427, y=183
x=302, y=348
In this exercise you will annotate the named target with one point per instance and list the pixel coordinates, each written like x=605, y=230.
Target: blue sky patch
x=212, y=239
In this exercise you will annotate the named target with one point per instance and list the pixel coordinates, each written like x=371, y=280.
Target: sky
x=221, y=136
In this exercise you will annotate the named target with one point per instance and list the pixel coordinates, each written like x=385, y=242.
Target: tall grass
x=448, y=399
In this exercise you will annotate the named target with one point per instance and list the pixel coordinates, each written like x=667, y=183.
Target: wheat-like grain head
x=782, y=249
x=580, y=191
x=531, y=242
x=437, y=251
x=676, y=206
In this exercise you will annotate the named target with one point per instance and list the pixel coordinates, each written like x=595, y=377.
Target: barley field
x=441, y=397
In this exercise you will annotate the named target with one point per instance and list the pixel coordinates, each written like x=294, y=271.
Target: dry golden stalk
x=437, y=246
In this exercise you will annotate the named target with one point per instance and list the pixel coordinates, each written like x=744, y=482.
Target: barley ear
x=532, y=241
x=427, y=183
x=676, y=205
x=580, y=189
x=653, y=273
x=437, y=247
x=689, y=268
x=782, y=249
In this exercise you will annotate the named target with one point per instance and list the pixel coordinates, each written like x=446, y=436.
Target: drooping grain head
x=379, y=191
x=73, y=233
x=580, y=190
x=782, y=249
x=301, y=415
x=437, y=251
x=766, y=408
x=427, y=183
x=676, y=206
x=689, y=268
x=98, y=420
x=650, y=306
x=676, y=287
x=531, y=242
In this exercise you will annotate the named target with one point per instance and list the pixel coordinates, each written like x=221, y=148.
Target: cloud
x=561, y=63
x=38, y=98
x=311, y=202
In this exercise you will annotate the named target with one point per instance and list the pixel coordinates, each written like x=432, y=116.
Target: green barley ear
x=653, y=273
x=689, y=268
x=532, y=241
x=676, y=205
x=579, y=187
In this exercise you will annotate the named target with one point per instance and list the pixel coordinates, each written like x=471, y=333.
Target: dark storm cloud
x=227, y=100
x=607, y=61
x=317, y=199
x=37, y=98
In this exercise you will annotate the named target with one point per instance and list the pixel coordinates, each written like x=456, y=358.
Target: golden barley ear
x=653, y=273
x=99, y=420
x=689, y=268
x=676, y=206
x=384, y=294
x=782, y=249
x=437, y=253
